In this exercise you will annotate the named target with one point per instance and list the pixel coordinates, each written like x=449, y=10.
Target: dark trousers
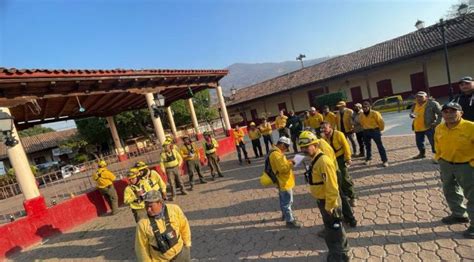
x=350, y=137
x=282, y=132
x=346, y=183
x=360, y=141
x=257, y=148
x=335, y=237
x=110, y=195
x=194, y=166
x=241, y=147
x=420, y=140
x=139, y=214
x=174, y=178
x=375, y=135
x=267, y=139
x=183, y=256
x=213, y=163
x=294, y=140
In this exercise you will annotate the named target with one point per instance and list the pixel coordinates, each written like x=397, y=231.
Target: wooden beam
x=112, y=101
x=133, y=100
x=45, y=108
x=98, y=103
x=63, y=107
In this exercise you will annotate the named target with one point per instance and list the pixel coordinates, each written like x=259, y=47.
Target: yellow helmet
x=140, y=165
x=133, y=173
x=252, y=124
x=102, y=163
x=307, y=138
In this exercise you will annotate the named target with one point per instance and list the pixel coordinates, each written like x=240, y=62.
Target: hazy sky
x=196, y=34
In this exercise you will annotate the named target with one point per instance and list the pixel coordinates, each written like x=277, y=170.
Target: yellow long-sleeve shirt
x=190, y=152
x=283, y=169
x=314, y=121
x=266, y=129
x=419, y=121
x=325, y=171
x=330, y=117
x=339, y=144
x=326, y=148
x=455, y=144
x=372, y=120
x=238, y=135
x=145, y=239
x=156, y=182
x=280, y=121
x=346, y=120
x=171, y=159
x=103, y=177
x=131, y=199
x=211, y=147
x=254, y=134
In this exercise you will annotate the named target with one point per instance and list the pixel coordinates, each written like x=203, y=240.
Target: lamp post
x=6, y=127
x=300, y=58
x=158, y=106
x=463, y=9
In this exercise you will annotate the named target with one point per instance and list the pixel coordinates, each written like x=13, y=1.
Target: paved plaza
x=234, y=218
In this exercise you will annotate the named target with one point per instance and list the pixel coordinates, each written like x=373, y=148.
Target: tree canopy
x=36, y=130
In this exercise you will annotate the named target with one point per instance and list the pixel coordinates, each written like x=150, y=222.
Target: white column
x=171, y=120
x=20, y=164
x=160, y=133
x=223, y=107
x=115, y=135
x=193, y=115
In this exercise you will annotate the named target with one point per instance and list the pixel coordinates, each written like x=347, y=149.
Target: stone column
x=34, y=203
x=160, y=133
x=171, y=120
x=223, y=109
x=192, y=112
x=115, y=136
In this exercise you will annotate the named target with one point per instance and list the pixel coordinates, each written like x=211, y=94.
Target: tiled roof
x=41, y=142
x=400, y=48
x=29, y=73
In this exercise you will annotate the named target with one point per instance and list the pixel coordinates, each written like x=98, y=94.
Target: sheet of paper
x=298, y=159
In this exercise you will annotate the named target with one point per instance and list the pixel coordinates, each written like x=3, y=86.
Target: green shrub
x=330, y=99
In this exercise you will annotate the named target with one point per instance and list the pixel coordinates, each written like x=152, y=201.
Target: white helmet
x=284, y=140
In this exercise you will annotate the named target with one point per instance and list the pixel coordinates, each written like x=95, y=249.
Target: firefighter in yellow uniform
x=345, y=124
x=282, y=169
x=134, y=193
x=171, y=161
x=239, y=144
x=210, y=148
x=104, y=179
x=322, y=179
x=373, y=125
x=280, y=124
x=152, y=177
x=329, y=117
x=266, y=130
x=341, y=147
x=165, y=235
x=255, y=135
x=314, y=120
x=454, y=142
x=190, y=153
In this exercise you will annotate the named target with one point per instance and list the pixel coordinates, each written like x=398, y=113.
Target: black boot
x=421, y=155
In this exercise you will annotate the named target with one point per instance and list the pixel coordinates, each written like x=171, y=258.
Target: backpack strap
x=310, y=173
x=268, y=168
x=332, y=143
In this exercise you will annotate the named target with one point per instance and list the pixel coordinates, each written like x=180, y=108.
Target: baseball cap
x=284, y=140
x=421, y=93
x=452, y=105
x=466, y=79
x=341, y=103
x=312, y=109
x=153, y=196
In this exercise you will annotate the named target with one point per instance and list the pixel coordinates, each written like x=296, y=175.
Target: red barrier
x=42, y=222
